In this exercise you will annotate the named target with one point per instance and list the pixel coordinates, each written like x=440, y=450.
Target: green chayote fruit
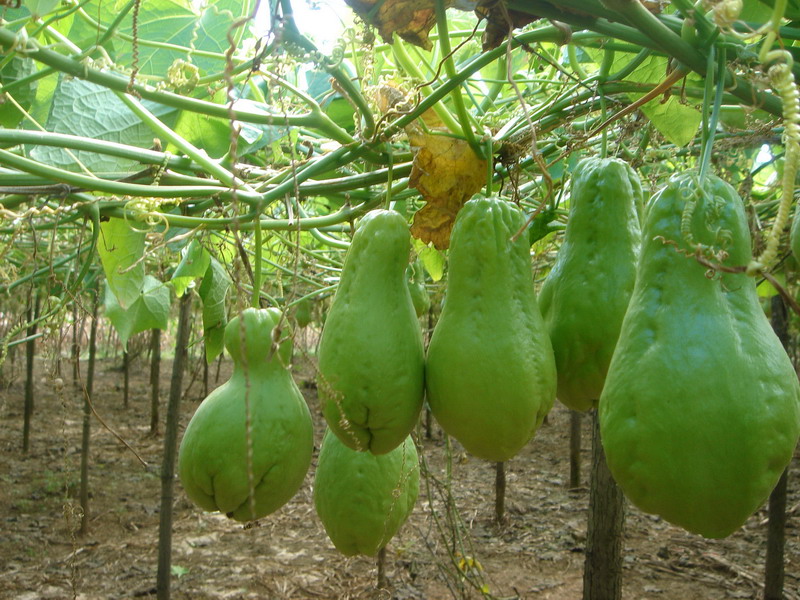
x=490, y=370
x=584, y=298
x=371, y=360
x=700, y=412
x=213, y=462
x=303, y=313
x=363, y=499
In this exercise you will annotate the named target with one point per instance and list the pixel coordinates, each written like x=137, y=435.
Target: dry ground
x=536, y=553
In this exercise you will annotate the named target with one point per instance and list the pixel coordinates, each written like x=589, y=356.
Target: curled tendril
x=725, y=13
x=147, y=211
x=182, y=76
x=782, y=79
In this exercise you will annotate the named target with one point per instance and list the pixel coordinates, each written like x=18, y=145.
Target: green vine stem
x=450, y=70
x=500, y=80
x=75, y=142
x=648, y=32
x=405, y=62
x=605, y=67
x=257, y=266
x=120, y=83
x=110, y=187
x=200, y=157
x=710, y=127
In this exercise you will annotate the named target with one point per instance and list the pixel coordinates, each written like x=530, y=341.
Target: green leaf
x=24, y=95
x=213, y=134
x=677, y=122
x=121, y=249
x=765, y=289
x=541, y=225
x=89, y=110
x=755, y=12
x=178, y=27
x=792, y=8
x=149, y=311
x=178, y=571
x=40, y=8
x=212, y=292
x=431, y=258
x=194, y=264
x=43, y=101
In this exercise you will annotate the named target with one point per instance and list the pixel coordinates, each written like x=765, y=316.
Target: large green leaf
x=40, y=8
x=149, y=311
x=180, y=29
x=194, y=263
x=121, y=249
x=89, y=110
x=213, y=291
x=213, y=134
x=676, y=121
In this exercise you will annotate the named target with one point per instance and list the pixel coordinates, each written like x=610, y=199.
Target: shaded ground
x=536, y=553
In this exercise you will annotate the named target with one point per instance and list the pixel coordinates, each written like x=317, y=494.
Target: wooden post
x=171, y=450
x=155, y=378
x=87, y=416
x=776, y=526
x=500, y=492
x=383, y=582
x=574, y=449
x=30, y=349
x=205, y=376
x=602, y=571
x=76, y=345
x=126, y=377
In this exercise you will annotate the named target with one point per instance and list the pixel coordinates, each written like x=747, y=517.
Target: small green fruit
x=213, y=456
x=363, y=499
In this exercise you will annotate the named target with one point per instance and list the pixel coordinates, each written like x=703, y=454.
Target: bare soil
x=451, y=547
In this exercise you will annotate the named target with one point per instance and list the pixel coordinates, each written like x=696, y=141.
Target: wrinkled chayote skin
x=584, y=298
x=490, y=368
x=371, y=359
x=212, y=460
x=363, y=499
x=701, y=407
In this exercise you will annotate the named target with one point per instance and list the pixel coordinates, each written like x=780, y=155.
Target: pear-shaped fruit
x=371, y=360
x=363, y=499
x=213, y=458
x=303, y=313
x=584, y=298
x=700, y=412
x=490, y=368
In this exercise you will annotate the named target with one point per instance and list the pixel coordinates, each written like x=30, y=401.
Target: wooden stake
x=500, y=492
x=383, y=582
x=776, y=526
x=171, y=450
x=87, y=417
x=602, y=572
x=155, y=378
x=574, y=449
